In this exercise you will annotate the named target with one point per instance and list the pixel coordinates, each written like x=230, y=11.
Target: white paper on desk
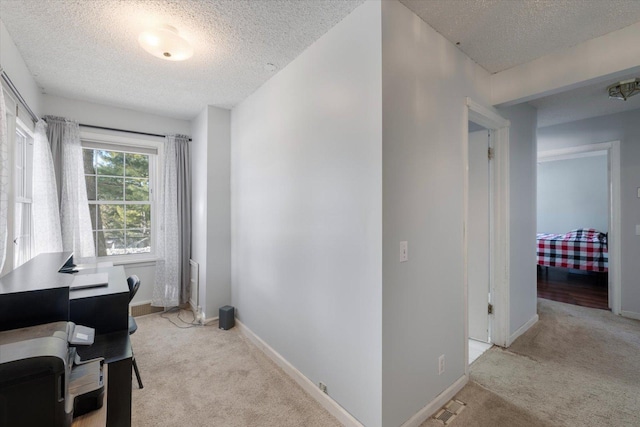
x=91, y=280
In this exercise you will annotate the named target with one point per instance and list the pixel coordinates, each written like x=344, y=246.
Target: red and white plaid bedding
x=581, y=249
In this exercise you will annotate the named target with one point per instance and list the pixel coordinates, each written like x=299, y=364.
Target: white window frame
x=130, y=144
x=26, y=195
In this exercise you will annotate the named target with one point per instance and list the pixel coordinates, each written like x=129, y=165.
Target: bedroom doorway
x=583, y=280
x=486, y=230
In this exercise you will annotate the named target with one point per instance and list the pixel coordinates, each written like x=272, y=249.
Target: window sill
x=138, y=262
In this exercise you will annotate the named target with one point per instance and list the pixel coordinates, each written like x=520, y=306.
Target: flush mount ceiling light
x=165, y=42
x=624, y=89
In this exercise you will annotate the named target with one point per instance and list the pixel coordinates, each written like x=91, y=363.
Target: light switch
x=638, y=192
x=637, y=229
x=404, y=251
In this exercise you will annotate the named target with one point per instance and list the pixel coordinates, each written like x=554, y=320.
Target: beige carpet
x=576, y=367
x=204, y=376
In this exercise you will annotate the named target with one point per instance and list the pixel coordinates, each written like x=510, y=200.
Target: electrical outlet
x=404, y=251
x=441, y=365
x=323, y=387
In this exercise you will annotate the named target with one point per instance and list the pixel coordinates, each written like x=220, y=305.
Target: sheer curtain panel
x=46, y=216
x=173, y=217
x=4, y=179
x=74, y=205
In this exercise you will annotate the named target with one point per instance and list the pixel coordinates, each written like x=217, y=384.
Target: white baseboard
x=630, y=314
x=522, y=329
x=437, y=403
x=324, y=399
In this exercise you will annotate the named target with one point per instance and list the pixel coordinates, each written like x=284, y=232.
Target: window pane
x=137, y=190
x=87, y=160
x=91, y=187
x=137, y=165
x=93, y=211
x=138, y=216
x=110, y=188
x=112, y=243
x=109, y=162
x=138, y=241
x=111, y=217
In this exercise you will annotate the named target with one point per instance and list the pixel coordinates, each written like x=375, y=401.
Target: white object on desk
x=91, y=280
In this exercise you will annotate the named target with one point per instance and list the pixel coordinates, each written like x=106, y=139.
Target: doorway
x=608, y=284
x=486, y=228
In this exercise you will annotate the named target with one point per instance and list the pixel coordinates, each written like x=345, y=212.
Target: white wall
x=425, y=80
x=218, y=290
x=573, y=193
x=115, y=117
x=595, y=60
x=211, y=209
x=306, y=209
x=198, y=152
x=624, y=127
x=15, y=67
x=522, y=218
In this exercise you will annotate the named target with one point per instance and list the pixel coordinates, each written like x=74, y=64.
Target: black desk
x=36, y=293
x=106, y=308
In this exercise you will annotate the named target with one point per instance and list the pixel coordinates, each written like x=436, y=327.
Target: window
x=22, y=227
x=119, y=189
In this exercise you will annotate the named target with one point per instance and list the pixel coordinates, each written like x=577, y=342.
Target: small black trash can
x=227, y=319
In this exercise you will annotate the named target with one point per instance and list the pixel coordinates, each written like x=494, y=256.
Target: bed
x=581, y=249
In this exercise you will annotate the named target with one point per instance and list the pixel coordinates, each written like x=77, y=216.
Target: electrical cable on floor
x=191, y=324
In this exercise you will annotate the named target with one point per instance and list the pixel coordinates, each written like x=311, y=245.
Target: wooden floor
x=568, y=286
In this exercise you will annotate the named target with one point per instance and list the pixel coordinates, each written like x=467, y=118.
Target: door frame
x=612, y=149
x=499, y=266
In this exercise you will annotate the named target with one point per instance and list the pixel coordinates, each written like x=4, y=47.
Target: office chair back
x=134, y=285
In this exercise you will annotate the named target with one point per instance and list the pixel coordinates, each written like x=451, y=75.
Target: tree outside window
x=119, y=201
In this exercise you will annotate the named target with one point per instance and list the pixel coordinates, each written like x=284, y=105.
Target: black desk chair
x=134, y=284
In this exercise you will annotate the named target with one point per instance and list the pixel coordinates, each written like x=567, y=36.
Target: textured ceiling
x=500, y=34
x=583, y=103
x=88, y=49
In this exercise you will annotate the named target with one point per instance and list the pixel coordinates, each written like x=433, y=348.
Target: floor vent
x=449, y=411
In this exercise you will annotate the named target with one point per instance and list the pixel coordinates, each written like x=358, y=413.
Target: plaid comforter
x=581, y=249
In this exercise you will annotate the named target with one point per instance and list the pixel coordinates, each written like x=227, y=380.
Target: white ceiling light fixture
x=624, y=89
x=165, y=42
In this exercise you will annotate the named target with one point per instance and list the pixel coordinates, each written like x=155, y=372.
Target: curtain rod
x=17, y=94
x=123, y=130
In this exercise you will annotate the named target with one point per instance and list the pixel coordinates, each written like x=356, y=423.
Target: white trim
x=615, y=229
x=118, y=139
x=489, y=118
x=612, y=149
x=324, y=399
x=423, y=414
x=501, y=237
x=522, y=329
x=572, y=152
x=630, y=314
x=571, y=156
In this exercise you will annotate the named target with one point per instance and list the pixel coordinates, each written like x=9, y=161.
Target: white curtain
x=4, y=179
x=74, y=206
x=166, y=290
x=46, y=216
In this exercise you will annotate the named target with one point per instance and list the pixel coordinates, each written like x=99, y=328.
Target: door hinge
x=490, y=308
x=490, y=153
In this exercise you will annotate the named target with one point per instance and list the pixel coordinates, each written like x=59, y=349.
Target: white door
x=478, y=232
